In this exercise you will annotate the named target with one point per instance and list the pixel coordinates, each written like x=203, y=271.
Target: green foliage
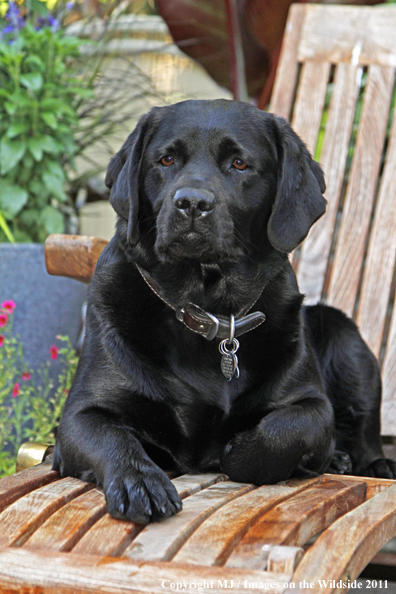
x=39, y=91
x=30, y=402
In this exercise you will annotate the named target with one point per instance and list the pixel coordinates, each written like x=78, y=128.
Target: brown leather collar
x=205, y=323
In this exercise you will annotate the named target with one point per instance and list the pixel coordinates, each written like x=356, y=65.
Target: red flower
x=3, y=319
x=26, y=375
x=1, y=340
x=9, y=306
x=15, y=391
x=54, y=352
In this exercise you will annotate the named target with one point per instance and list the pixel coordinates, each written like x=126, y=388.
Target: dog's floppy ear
x=299, y=201
x=122, y=177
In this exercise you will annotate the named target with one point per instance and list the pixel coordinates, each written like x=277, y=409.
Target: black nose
x=192, y=200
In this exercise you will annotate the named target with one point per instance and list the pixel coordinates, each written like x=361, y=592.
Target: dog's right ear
x=122, y=178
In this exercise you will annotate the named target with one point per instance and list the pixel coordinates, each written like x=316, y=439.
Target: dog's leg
x=94, y=446
x=295, y=440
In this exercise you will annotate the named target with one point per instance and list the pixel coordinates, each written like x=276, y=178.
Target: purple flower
x=69, y=5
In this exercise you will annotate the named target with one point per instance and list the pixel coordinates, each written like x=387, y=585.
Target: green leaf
x=57, y=105
x=12, y=197
x=52, y=220
x=33, y=80
x=11, y=152
x=54, y=168
x=35, y=61
x=39, y=7
x=16, y=129
x=49, y=119
x=49, y=145
x=6, y=230
x=55, y=185
x=35, y=148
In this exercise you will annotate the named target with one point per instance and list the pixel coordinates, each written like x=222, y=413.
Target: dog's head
x=211, y=180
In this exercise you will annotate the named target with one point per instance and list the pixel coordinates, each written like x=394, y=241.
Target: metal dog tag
x=229, y=360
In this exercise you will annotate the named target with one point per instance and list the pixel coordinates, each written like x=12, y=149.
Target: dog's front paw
x=141, y=495
x=381, y=468
x=341, y=463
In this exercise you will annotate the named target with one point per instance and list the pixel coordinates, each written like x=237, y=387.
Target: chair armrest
x=74, y=256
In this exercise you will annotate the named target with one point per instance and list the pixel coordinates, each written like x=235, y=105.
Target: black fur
x=149, y=393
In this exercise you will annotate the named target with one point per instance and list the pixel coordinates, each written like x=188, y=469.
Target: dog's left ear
x=122, y=177
x=299, y=201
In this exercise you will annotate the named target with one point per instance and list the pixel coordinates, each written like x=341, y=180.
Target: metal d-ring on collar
x=206, y=324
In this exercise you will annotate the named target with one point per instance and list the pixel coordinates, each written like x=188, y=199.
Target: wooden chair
x=55, y=534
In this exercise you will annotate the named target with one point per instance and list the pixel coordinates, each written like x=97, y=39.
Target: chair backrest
x=336, y=85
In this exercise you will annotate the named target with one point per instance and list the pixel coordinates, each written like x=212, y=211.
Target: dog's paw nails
x=341, y=463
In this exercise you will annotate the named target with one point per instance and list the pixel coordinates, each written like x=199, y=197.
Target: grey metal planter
x=46, y=305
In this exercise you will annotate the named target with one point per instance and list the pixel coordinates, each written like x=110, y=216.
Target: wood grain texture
x=22, y=517
x=286, y=76
x=354, y=34
x=381, y=256
x=66, y=526
x=295, y=521
x=210, y=546
x=360, y=194
x=111, y=537
x=309, y=103
x=65, y=573
x=347, y=546
x=161, y=541
x=16, y=485
x=388, y=407
x=314, y=255
x=73, y=256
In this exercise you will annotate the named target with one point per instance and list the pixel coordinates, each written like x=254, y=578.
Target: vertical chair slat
x=314, y=256
x=388, y=407
x=308, y=107
x=378, y=274
x=286, y=76
x=360, y=194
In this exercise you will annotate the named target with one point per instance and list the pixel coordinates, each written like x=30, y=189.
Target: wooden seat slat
x=66, y=526
x=361, y=189
x=345, y=548
x=66, y=573
x=25, y=515
x=311, y=271
x=295, y=521
x=310, y=100
x=16, y=485
x=111, y=537
x=161, y=541
x=210, y=546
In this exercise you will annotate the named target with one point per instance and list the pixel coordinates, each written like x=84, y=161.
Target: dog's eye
x=239, y=164
x=166, y=161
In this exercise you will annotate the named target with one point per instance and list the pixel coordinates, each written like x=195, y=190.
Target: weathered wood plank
x=65, y=527
x=364, y=35
x=360, y=194
x=310, y=99
x=25, y=515
x=373, y=485
x=295, y=521
x=286, y=76
x=381, y=256
x=74, y=256
x=16, y=485
x=214, y=540
x=388, y=407
x=314, y=255
x=23, y=570
x=347, y=546
x=111, y=537
x=161, y=541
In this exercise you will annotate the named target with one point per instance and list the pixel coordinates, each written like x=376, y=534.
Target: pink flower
x=15, y=390
x=9, y=306
x=1, y=340
x=3, y=319
x=54, y=352
x=26, y=375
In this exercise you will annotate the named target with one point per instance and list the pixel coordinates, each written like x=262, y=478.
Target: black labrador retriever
x=199, y=354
